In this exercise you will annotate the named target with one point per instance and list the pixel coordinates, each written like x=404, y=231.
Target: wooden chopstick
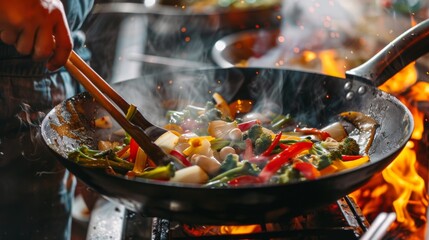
x=101, y=84
x=98, y=81
x=88, y=77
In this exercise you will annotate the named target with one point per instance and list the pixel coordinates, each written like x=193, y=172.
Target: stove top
x=342, y=219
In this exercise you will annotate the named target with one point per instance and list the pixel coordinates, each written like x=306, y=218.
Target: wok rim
x=167, y=10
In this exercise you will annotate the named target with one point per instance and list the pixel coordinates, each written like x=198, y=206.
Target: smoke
x=116, y=33
x=131, y=41
x=310, y=26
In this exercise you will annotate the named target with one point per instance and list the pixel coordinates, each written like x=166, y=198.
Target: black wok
x=313, y=98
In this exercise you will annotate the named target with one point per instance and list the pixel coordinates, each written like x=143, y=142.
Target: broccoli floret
x=349, y=146
x=288, y=176
x=213, y=114
x=254, y=132
x=324, y=161
x=327, y=151
x=262, y=143
x=323, y=156
x=230, y=162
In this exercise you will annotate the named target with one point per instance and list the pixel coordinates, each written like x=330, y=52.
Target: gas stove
x=342, y=219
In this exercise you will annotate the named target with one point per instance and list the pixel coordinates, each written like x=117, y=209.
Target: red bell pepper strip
x=244, y=126
x=181, y=158
x=134, y=147
x=273, y=145
x=307, y=170
x=151, y=163
x=283, y=157
x=245, y=180
x=283, y=146
x=350, y=157
x=123, y=150
x=314, y=131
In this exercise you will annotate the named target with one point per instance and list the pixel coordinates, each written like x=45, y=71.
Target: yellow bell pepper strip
x=307, y=170
x=245, y=180
x=273, y=145
x=244, y=126
x=356, y=163
x=342, y=165
x=140, y=161
x=314, y=131
x=283, y=157
x=181, y=158
x=328, y=170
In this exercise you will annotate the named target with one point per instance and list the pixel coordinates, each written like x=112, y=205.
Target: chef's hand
x=38, y=28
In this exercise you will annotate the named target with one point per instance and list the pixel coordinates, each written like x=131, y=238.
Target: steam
x=311, y=26
x=114, y=37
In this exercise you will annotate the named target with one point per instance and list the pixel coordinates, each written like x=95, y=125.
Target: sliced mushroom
x=366, y=126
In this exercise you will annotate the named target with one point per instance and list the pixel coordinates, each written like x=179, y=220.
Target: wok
x=312, y=98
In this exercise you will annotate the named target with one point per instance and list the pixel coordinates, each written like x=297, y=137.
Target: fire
x=240, y=229
x=401, y=81
x=399, y=187
x=420, y=92
x=400, y=183
x=214, y=230
x=409, y=188
x=331, y=65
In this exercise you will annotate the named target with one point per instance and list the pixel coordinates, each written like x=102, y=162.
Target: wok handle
x=405, y=49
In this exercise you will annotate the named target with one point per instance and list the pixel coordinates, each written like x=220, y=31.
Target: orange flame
x=400, y=184
x=408, y=186
x=401, y=81
x=214, y=230
x=399, y=187
x=241, y=229
x=331, y=65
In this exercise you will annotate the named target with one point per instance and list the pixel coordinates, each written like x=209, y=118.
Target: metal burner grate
x=340, y=220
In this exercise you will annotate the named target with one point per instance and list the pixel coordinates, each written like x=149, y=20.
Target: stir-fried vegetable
x=218, y=151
